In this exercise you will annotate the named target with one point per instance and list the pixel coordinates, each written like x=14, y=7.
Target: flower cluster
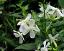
x=47, y=43
x=50, y=10
x=27, y=26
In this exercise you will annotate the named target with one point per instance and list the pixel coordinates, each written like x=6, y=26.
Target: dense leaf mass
x=41, y=30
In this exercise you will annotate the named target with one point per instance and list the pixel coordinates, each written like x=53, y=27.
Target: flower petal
x=31, y=22
x=36, y=29
x=32, y=34
x=16, y=35
x=48, y=44
x=20, y=40
x=24, y=28
x=44, y=43
x=50, y=9
x=42, y=9
x=58, y=13
x=44, y=49
x=28, y=16
x=19, y=23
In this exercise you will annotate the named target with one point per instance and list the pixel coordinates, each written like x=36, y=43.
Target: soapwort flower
x=50, y=10
x=46, y=45
x=53, y=39
x=28, y=26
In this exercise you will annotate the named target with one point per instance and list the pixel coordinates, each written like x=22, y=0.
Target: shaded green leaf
x=10, y=41
x=61, y=2
x=30, y=46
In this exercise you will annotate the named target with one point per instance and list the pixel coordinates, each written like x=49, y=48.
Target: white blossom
x=53, y=39
x=50, y=10
x=24, y=28
x=28, y=26
x=18, y=34
x=23, y=25
x=33, y=28
x=45, y=48
x=58, y=13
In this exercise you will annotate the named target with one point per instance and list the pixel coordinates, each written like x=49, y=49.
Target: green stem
x=44, y=19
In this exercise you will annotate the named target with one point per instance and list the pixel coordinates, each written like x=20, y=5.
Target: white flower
x=53, y=39
x=18, y=34
x=50, y=10
x=53, y=11
x=33, y=28
x=58, y=13
x=45, y=48
x=28, y=26
x=24, y=28
x=24, y=25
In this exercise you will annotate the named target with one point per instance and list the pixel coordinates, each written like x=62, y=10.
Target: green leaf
x=10, y=41
x=61, y=46
x=61, y=32
x=61, y=35
x=61, y=2
x=2, y=1
x=30, y=46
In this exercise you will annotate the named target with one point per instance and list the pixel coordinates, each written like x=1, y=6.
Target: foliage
x=11, y=12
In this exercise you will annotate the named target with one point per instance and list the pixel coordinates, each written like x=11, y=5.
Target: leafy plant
x=22, y=29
